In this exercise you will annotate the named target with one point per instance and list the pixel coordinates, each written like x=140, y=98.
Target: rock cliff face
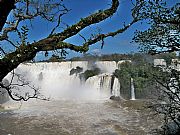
x=55, y=81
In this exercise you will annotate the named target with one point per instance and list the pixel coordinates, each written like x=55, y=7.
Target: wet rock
x=4, y=97
x=115, y=98
x=40, y=77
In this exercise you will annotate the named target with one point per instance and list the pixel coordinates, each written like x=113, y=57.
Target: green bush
x=76, y=70
x=90, y=73
x=142, y=73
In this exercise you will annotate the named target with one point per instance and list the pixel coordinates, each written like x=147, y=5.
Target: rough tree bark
x=5, y=7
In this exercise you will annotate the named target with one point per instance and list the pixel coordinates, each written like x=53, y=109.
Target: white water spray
x=132, y=89
x=55, y=81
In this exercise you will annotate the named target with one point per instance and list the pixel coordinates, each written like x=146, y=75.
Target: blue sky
x=118, y=44
x=82, y=8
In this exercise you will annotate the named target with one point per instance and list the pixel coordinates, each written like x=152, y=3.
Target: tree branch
x=5, y=7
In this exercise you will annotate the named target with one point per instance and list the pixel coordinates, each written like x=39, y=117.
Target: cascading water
x=55, y=81
x=107, y=66
x=102, y=84
x=116, y=86
x=132, y=90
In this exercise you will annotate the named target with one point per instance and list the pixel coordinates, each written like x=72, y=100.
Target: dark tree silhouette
x=164, y=32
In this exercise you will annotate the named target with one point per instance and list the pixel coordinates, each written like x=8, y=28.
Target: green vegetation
x=163, y=37
x=76, y=70
x=135, y=57
x=90, y=73
x=55, y=58
x=168, y=57
x=143, y=75
x=105, y=57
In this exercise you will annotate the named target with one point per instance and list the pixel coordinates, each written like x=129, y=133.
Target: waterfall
x=132, y=89
x=101, y=83
x=116, y=88
x=55, y=82
x=107, y=66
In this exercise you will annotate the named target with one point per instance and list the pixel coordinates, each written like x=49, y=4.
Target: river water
x=74, y=117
